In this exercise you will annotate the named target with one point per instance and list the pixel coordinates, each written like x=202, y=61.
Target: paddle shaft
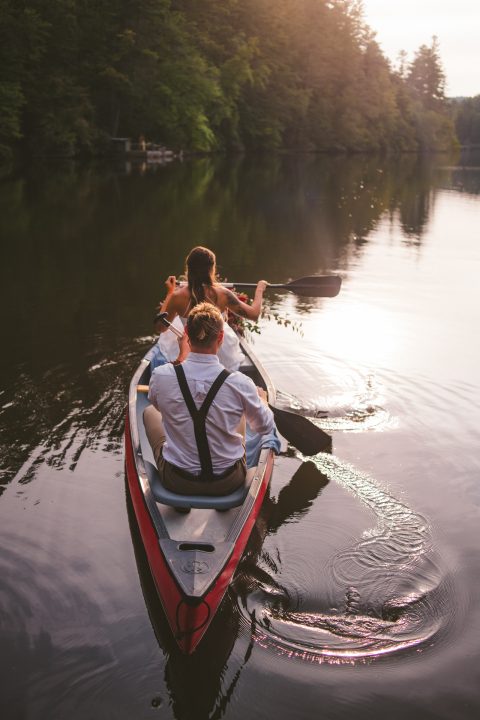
x=280, y=286
x=315, y=285
x=162, y=317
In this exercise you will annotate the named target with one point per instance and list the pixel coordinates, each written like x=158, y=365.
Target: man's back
x=235, y=398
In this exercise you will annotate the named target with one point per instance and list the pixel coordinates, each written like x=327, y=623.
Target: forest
x=466, y=112
x=211, y=76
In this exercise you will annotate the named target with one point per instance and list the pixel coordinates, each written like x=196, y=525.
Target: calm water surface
x=358, y=596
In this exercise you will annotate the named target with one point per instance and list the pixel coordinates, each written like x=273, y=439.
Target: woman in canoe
x=202, y=285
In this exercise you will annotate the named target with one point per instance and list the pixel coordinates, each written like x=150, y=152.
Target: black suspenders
x=199, y=416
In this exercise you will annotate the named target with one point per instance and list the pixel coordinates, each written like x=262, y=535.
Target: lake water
x=358, y=596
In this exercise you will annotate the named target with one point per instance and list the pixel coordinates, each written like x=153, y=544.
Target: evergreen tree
x=426, y=76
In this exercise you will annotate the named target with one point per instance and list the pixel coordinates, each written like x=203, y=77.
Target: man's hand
x=262, y=395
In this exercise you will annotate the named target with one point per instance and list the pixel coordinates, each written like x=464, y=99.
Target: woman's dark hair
x=201, y=271
x=204, y=324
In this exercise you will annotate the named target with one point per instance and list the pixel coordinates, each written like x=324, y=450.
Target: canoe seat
x=217, y=502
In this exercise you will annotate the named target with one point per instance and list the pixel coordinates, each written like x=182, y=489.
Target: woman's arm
x=169, y=305
x=250, y=312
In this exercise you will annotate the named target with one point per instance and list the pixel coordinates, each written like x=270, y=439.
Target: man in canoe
x=194, y=423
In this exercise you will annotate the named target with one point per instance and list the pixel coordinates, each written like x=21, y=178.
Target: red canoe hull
x=188, y=622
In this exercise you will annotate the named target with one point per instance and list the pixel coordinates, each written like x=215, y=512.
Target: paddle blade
x=301, y=433
x=316, y=285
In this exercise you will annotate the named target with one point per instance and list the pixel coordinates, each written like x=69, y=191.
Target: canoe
x=192, y=557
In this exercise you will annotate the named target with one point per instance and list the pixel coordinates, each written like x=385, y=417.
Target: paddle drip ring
x=182, y=633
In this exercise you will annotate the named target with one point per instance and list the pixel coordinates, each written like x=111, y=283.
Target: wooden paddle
x=297, y=429
x=311, y=285
x=301, y=432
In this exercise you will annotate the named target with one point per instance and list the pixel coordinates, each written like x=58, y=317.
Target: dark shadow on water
x=296, y=498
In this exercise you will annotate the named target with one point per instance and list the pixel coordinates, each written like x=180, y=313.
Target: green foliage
x=205, y=75
x=11, y=102
x=466, y=115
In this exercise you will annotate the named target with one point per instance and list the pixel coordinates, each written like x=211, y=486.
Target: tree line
x=466, y=113
x=205, y=75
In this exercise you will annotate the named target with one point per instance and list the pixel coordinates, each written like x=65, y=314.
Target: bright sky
x=407, y=24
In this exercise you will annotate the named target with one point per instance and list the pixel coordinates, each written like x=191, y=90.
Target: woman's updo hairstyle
x=201, y=270
x=204, y=324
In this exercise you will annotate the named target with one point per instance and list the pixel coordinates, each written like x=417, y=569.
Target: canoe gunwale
x=142, y=477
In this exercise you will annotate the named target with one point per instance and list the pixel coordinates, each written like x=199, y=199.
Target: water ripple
x=386, y=593
x=355, y=407
x=54, y=418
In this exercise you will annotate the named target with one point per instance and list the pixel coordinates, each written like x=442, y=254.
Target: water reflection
x=296, y=497
x=87, y=248
x=53, y=416
x=54, y=640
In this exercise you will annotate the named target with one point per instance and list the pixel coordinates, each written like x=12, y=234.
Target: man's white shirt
x=237, y=397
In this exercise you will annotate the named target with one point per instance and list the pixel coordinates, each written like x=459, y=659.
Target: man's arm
x=258, y=414
x=159, y=382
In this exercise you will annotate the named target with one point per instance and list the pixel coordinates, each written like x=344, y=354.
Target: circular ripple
x=353, y=406
x=385, y=594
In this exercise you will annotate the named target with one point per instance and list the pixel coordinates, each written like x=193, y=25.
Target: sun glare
x=362, y=332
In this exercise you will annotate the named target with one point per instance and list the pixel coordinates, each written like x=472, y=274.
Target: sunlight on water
x=352, y=402
x=364, y=327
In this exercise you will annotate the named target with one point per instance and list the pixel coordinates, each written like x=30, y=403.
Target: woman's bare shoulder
x=224, y=296
x=179, y=298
